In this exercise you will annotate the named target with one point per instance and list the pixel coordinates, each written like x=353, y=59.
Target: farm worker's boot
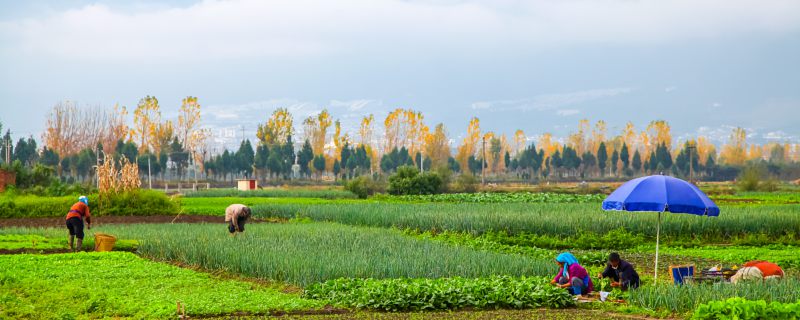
x=80, y=245
x=71, y=243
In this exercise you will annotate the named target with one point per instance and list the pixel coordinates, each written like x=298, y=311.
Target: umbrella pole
x=658, y=236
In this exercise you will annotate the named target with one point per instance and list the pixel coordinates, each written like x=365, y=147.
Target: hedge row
x=133, y=203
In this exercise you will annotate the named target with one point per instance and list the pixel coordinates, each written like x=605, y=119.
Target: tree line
x=76, y=139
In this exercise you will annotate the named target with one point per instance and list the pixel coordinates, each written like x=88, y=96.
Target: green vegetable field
x=324, y=254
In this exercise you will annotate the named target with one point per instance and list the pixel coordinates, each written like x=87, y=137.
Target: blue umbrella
x=660, y=193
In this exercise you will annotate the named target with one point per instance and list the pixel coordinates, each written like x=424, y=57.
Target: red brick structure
x=7, y=178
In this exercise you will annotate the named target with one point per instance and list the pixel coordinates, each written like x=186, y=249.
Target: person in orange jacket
x=758, y=270
x=77, y=213
x=768, y=269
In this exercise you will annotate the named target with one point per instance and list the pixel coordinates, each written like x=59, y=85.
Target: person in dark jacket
x=621, y=273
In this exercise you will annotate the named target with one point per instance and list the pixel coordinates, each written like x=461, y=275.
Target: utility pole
x=96, y=168
x=421, y=161
x=483, y=161
x=149, y=173
x=8, y=151
x=691, y=165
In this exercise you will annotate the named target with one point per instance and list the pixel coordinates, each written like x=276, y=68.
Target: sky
x=540, y=66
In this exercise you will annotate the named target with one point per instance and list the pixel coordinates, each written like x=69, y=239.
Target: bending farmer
x=572, y=276
x=236, y=215
x=621, y=273
x=78, y=212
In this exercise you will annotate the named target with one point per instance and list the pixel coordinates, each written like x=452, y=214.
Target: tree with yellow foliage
x=577, y=140
x=659, y=133
x=394, y=126
x=735, y=151
x=629, y=135
x=146, y=120
x=278, y=128
x=339, y=139
x=520, y=140
x=365, y=130
x=547, y=144
x=704, y=149
x=117, y=128
x=598, y=137
x=188, y=121
x=316, y=130
x=755, y=153
x=468, y=146
x=162, y=136
x=437, y=146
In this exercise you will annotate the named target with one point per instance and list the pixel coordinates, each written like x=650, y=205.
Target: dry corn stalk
x=116, y=177
x=128, y=176
x=106, y=176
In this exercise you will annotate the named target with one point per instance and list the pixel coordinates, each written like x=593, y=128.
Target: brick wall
x=6, y=178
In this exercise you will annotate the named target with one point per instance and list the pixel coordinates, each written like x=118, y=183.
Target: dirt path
x=59, y=221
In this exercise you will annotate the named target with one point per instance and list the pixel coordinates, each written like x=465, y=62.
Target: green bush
x=363, y=187
x=467, y=183
x=139, y=203
x=442, y=294
x=407, y=180
x=756, y=178
x=743, y=309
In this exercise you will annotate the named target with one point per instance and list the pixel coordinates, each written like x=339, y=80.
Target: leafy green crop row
x=498, y=197
x=30, y=241
x=37, y=240
x=273, y=193
x=556, y=219
x=743, y=309
x=441, y=294
x=110, y=285
x=313, y=252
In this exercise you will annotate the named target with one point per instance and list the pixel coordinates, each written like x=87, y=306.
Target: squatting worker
x=236, y=215
x=621, y=273
x=77, y=213
x=572, y=276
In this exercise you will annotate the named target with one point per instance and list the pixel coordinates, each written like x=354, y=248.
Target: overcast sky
x=540, y=66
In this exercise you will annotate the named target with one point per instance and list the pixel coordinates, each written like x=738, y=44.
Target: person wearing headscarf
x=572, y=276
x=75, y=217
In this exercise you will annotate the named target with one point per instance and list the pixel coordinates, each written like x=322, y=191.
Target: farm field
x=118, y=284
x=403, y=254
